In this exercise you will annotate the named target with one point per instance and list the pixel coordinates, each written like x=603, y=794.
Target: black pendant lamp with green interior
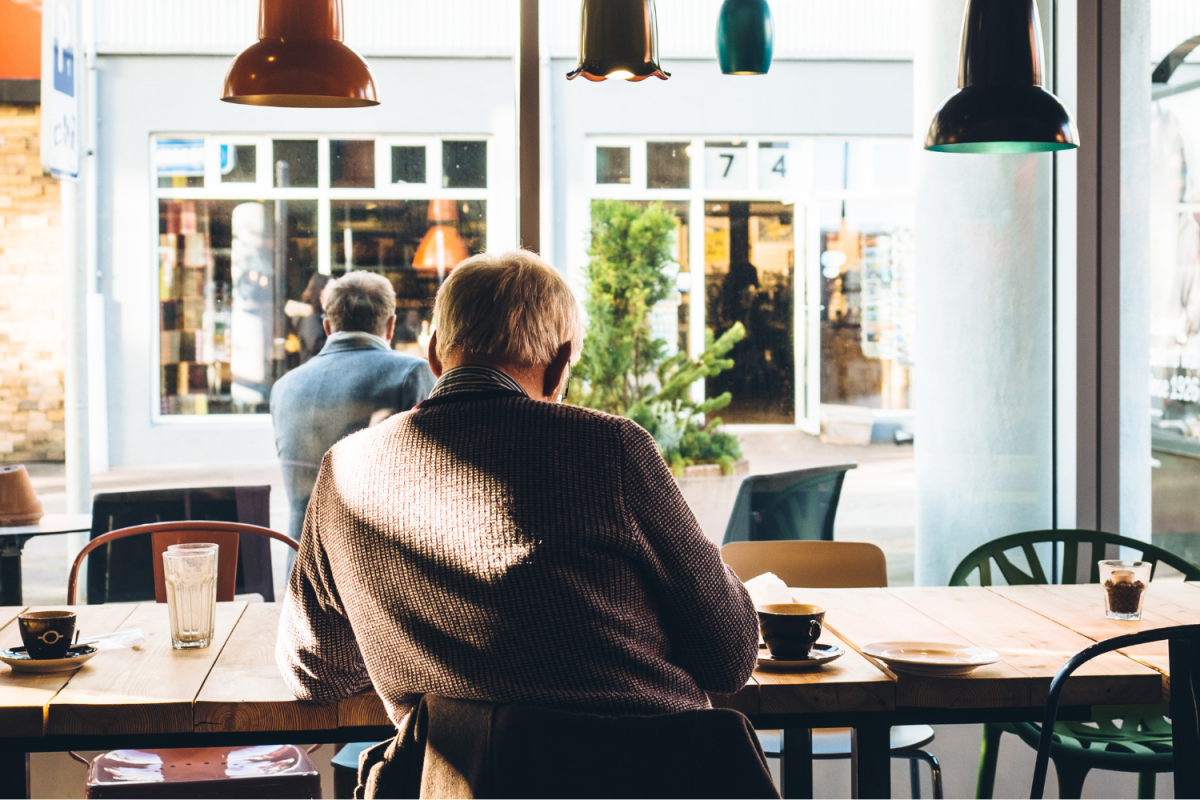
x=618, y=39
x=1000, y=106
x=745, y=37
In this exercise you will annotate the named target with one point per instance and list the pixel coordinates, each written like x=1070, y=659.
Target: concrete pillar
x=984, y=389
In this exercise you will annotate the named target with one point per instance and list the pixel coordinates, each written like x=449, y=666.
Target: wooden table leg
x=14, y=776
x=796, y=762
x=871, y=762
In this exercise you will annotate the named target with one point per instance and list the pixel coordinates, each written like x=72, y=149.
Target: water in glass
x=191, y=596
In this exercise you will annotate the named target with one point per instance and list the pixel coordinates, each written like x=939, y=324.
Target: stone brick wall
x=31, y=325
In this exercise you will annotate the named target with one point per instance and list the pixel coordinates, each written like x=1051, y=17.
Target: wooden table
x=231, y=693
x=12, y=542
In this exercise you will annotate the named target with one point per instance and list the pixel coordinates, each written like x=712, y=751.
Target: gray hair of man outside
x=511, y=307
x=360, y=301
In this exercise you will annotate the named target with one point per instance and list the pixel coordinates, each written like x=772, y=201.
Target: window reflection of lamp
x=443, y=247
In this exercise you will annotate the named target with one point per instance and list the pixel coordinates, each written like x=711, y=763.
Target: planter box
x=711, y=494
x=846, y=424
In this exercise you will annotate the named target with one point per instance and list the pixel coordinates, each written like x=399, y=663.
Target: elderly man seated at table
x=497, y=544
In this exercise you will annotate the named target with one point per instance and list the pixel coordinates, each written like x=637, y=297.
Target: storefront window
x=1175, y=322
x=242, y=260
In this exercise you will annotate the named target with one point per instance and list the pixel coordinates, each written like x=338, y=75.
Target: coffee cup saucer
x=819, y=655
x=21, y=662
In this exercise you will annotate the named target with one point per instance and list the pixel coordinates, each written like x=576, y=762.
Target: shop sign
x=175, y=158
x=60, y=94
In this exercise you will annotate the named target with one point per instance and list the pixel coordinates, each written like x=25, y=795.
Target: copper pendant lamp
x=443, y=247
x=1001, y=106
x=300, y=61
x=618, y=39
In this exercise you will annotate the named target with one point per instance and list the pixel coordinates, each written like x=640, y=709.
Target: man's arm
x=707, y=612
x=316, y=650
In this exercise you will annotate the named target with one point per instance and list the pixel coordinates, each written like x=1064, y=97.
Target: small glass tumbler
x=1125, y=584
x=191, y=575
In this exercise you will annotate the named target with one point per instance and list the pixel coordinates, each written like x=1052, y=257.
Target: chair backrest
x=1185, y=721
x=815, y=565
x=787, y=506
x=981, y=558
x=163, y=534
x=123, y=571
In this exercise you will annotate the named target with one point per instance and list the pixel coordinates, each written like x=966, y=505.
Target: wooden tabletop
x=234, y=685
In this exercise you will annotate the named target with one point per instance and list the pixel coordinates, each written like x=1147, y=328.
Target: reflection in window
x=231, y=277
x=612, y=165
x=414, y=243
x=749, y=264
x=299, y=162
x=239, y=163
x=408, y=164
x=869, y=303
x=352, y=164
x=464, y=165
x=668, y=165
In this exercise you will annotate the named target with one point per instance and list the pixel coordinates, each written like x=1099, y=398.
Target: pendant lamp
x=618, y=39
x=745, y=37
x=300, y=61
x=443, y=247
x=1001, y=106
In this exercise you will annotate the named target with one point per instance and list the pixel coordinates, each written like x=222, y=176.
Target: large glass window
x=245, y=248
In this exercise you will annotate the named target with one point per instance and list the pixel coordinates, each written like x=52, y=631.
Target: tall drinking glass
x=191, y=595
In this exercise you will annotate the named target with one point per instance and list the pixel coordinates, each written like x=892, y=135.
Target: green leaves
x=625, y=370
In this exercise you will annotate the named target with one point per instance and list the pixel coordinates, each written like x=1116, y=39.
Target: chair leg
x=15, y=766
x=989, y=754
x=914, y=776
x=1147, y=785
x=935, y=771
x=1070, y=779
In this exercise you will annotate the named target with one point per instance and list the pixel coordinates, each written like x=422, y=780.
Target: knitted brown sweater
x=486, y=546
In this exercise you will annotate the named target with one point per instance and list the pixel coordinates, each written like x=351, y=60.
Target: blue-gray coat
x=353, y=381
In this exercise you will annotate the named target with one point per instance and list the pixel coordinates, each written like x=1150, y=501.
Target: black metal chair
x=1184, y=642
x=797, y=505
x=123, y=571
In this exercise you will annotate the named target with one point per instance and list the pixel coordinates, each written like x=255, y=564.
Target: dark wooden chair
x=265, y=771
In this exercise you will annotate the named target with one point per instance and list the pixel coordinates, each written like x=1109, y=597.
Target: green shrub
x=624, y=369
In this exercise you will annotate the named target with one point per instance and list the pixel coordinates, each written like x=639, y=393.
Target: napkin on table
x=767, y=589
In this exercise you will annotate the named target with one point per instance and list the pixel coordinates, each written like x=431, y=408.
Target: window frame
x=263, y=188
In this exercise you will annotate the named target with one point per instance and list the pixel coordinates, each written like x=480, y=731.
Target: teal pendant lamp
x=745, y=37
x=1000, y=106
x=618, y=39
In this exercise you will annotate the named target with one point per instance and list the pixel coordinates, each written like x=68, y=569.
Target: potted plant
x=627, y=372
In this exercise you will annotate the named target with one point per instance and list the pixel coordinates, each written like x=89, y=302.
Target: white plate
x=21, y=662
x=819, y=655
x=941, y=659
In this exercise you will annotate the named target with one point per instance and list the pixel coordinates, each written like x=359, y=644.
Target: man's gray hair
x=512, y=307
x=360, y=301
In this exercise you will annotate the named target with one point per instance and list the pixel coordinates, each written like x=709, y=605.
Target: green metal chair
x=1123, y=739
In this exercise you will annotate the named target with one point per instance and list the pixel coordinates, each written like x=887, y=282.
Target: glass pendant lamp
x=745, y=37
x=1000, y=106
x=618, y=39
x=300, y=60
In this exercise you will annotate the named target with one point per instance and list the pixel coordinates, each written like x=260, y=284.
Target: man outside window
x=495, y=544
x=356, y=381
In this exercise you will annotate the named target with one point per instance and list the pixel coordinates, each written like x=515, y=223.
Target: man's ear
x=555, y=372
x=390, y=328
x=328, y=326
x=435, y=363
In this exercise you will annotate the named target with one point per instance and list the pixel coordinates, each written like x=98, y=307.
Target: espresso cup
x=47, y=634
x=790, y=629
